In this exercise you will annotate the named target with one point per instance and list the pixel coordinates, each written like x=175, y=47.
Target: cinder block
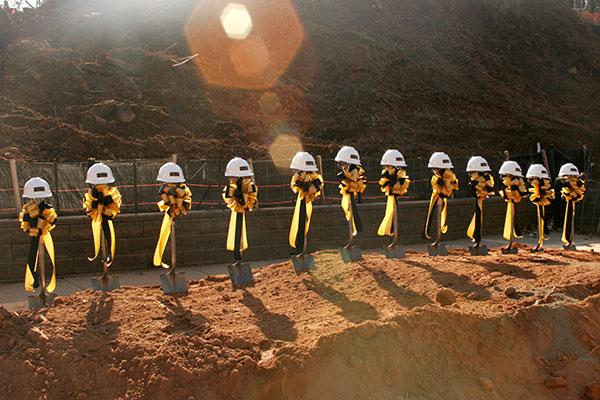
x=136, y=245
x=80, y=232
x=130, y=229
x=130, y=262
x=6, y=254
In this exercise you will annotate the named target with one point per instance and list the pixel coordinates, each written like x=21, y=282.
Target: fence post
x=56, y=183
x=135, y=188
x=15, y=184
x=320, y=165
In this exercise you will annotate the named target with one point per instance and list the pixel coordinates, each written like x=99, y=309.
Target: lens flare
x=283, y=148
x=248, y=44
x=236, y=21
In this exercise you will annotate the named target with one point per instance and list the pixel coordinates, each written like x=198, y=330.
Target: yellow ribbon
x=443, y=184
x=176, y=200
x=482, y=187
x=513, y=192
x=393, y=182
x=542, y=195
x=240, y=195
x=353, y=182
x=308, y=187
x=44, y=217
x=102, y=203
x=573, y=191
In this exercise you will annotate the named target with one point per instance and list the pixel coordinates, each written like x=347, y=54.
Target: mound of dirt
x=87, y=78
x=368, y=330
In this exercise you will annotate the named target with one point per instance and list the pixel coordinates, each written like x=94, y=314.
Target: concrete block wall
x=201, y=236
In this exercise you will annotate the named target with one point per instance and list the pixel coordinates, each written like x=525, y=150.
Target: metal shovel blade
x=241, y=275
x=481, y=250
x=106, y=283
x=512, y=250
x=570, y=247
x=174, y=283
x=37, y=301
x=394, y=251
x=350, y=254
x=303, y=263
x=436, y=250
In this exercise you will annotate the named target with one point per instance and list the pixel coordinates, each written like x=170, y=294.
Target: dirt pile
x=87, y=78
x=366, y=330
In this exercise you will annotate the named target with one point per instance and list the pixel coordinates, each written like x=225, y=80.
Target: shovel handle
x=173, y=247
x=42, y=264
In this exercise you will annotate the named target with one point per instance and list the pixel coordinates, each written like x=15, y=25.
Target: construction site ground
x=520, y=326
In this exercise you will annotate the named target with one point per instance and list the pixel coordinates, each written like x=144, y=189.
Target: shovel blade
x=350, y=254
x=570, y=247
x=241, y=275
x=37, y=301
x=303, y=263
x=106, y=283
x=512, y=250
x=174, y=283
x=479, y=250
x=436, y=250
x=394, y=252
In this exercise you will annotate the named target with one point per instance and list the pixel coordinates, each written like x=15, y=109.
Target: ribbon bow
x=102, y=203
x=37, y=220
x=443, y=184
x=394, y=182
x=352, y=184
x=573, y=191
x=481, y=187
x=176, y=200
x=240, y=195
x=512, y=193
x=308, y=187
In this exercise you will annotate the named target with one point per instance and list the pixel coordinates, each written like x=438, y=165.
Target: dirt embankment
x=514, y=327
x=87, y=78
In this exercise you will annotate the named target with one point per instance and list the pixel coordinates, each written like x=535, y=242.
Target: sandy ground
x=520, y=327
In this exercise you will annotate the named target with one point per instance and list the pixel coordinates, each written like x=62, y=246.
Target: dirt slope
x=86, y=78
x=369, y=330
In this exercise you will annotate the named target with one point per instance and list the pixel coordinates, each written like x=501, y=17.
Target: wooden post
x=506, y=155
x=545, y=160
x=15, y=184
x=135, y=188
x=56, y=184
x=320, y=164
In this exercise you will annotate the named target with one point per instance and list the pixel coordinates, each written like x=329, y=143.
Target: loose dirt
x=367, y=330
x=95, y=78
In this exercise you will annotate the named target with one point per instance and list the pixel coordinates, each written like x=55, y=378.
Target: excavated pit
x=515, y=327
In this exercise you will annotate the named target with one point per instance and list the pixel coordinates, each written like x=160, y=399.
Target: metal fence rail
x=136, y=179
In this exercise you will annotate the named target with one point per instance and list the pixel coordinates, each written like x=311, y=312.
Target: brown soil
x=94, y=78
x=368, y=330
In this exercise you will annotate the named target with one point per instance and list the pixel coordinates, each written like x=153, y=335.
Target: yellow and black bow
x=37, y=220
x=443, y=184
x=542, y=195
x=513, y=192
x=353, y=183
x=102, y=203
x=176, y=200
x=308, y=187
x=481, y=187
x=572, y=191
x=394, y=182
x=240, y=195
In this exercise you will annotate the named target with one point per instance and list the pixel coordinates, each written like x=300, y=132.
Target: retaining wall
x=201, y=236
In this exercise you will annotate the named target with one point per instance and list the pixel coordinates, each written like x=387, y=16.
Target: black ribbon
x=301, y=228
x=239, y=220
x=355, y=215
x=478, y=225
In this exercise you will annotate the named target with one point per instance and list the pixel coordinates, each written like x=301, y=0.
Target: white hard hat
x=537, y=171
x=239, y=168
x=511, y=168
x=99, y=174
x=440, y=160
x=36, y=188
x=303, y=161
x=568, y=170
x=348, y=155
x=170, y=173
x=394, y=158
x=478, y=164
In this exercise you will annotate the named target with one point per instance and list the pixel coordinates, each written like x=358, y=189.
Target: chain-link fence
x=136, y=180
